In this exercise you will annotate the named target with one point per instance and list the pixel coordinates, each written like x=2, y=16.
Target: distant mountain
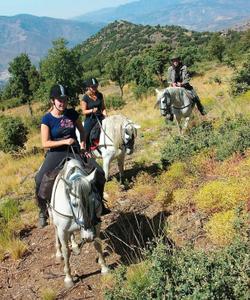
x=200, y=15
x=244, y=26
x=34, y=35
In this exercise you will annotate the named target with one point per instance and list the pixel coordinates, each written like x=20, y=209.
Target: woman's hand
x=83, y=145
x=94, y=110
x=69, y=141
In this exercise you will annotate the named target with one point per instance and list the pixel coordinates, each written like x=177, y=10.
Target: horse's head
x=130, y=133
x=81, y=197
x=162, y=101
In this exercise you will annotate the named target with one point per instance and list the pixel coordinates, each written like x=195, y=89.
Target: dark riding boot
x=43, y=213
x=200, y=106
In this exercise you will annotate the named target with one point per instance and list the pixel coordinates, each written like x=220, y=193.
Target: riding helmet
x=90, y=82
x=175, y=56
x=58, y=91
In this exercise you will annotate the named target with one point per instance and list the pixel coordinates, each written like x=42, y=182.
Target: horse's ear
x=91, y=176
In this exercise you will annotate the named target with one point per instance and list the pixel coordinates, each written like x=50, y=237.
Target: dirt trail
x=28, y=278
x=37, y=271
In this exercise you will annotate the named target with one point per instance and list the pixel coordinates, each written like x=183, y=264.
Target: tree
x=13, y=134
x=61, y=66
x=156, y=59
x=140, y=72
x=217, y=46
x=24, y=79
x=241, y=79
x=116, y=69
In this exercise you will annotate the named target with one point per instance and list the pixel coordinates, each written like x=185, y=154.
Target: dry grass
x=113, y=190
x=17, y=175
x=48, y=294
x=16, y=248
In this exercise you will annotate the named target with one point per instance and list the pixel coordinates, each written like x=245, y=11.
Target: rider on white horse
x=178, y=76
x=59, y=138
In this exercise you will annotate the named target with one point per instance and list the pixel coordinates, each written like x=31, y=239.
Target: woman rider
x=93, y=107
x=57, y=134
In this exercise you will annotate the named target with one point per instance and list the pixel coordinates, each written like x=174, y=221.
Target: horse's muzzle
x=88, y=235
x=129, y=151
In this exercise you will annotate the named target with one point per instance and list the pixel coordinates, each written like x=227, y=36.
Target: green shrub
x=13, y=134
x=114, y=102
x=241, y=80
x=10, y=103
x=189, y=274
x=180, y=148
x=233, y=136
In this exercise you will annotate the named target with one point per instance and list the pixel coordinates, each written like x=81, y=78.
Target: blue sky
x=55, y=8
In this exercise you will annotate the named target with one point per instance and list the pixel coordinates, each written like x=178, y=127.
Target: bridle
x=127, y=143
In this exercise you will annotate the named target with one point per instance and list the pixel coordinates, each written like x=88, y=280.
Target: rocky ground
x=124, y=232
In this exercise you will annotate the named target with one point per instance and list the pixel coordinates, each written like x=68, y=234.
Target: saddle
x=46, y=186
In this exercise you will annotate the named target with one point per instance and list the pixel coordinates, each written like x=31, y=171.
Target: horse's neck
x=178, y=97
x=59, y=199
x=111, y=133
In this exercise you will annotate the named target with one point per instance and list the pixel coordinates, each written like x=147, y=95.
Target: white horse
x=179, y=101
x=74, y=207
x=117, y=138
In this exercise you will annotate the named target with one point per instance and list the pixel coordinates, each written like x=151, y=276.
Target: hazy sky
x=55, y=8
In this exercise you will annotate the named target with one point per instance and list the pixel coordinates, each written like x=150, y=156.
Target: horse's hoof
x=76, y=250
x=68, y=284
x=105, y=270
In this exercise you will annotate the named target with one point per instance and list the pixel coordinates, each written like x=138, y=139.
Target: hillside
x=34, y=35
x=197, y=196
x=133, y=39
x=193, y=14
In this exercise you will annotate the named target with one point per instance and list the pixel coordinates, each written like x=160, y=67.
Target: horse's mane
x=76, y=179
x=113, y=128
x=175, y=93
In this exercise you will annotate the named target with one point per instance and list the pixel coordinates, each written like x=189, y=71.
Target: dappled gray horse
x=178, y=101
x=74, y=207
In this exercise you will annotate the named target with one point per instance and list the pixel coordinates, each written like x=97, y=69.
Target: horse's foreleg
x=75, y=248
x=64, y=239
x=58, y=247
x=120, y=161
x=178, y=121
x=186, y=123
x=106, y=163
x=98, y=247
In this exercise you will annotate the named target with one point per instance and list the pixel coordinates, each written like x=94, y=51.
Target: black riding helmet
x=58, y=91
x=90, y=82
